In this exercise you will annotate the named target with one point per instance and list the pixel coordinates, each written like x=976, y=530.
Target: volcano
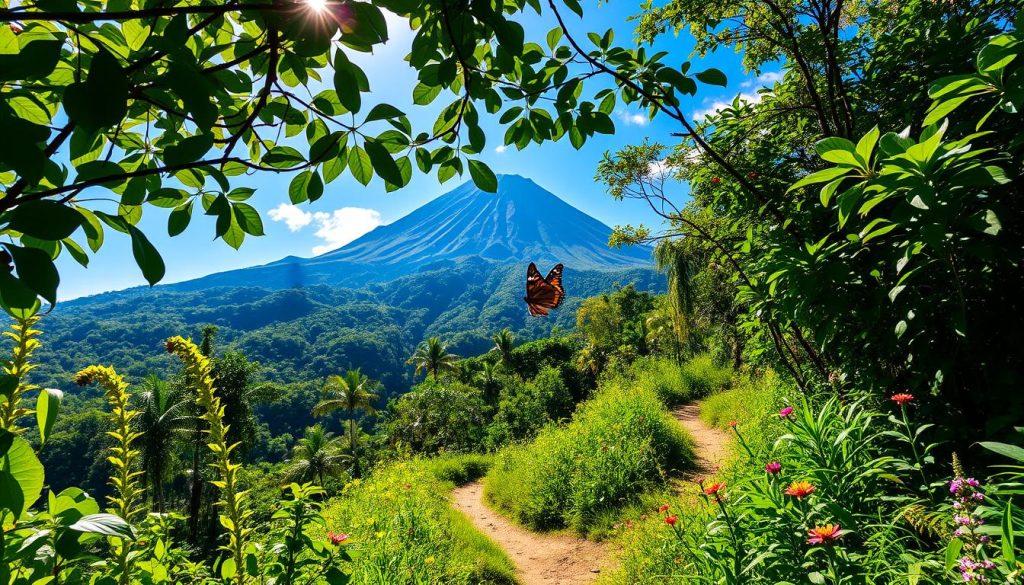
x=521, y=222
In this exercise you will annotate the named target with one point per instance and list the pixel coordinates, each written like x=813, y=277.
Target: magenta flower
x=786, y=412
x=773, y=467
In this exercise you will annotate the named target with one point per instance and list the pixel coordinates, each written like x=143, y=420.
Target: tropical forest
x=511, y=292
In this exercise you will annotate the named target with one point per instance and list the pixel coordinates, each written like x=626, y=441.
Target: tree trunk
x=352, y=445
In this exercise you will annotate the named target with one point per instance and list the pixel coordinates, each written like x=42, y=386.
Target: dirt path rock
x=711, y=445
x=540, y=559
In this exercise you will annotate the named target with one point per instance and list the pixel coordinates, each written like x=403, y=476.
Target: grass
x=677, y=384
x=403, y=530
x=651, y=551
x=619, y=445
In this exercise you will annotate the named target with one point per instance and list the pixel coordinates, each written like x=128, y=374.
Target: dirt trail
x=711, y=445
x=548, y=559
x=540, y=559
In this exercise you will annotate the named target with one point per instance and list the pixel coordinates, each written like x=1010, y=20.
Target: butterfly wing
x=555, y=277
x=540, y=294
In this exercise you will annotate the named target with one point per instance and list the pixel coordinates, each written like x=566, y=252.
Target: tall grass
x=679, y=383
x=402, y=528
x=753, y=403
x=619, y=445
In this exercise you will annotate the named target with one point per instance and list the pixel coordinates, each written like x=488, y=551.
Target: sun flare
x=317, y=5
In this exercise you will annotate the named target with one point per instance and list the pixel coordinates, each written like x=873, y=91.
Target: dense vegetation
x=851, y=251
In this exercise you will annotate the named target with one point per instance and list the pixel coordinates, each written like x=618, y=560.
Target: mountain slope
x=521, y=222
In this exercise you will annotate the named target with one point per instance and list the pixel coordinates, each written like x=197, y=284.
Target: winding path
x=711, y=445
x=540, y=559
x=553, y=559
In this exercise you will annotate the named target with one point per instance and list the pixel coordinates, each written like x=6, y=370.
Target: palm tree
x=354, y=395
x=433, y=358
x=489, y=382
x=503, y=345
x=164, y=419
x=318, y=454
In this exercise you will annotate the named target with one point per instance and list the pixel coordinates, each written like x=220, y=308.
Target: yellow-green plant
x=16, y=369
x=127, y=498
x=235, y=514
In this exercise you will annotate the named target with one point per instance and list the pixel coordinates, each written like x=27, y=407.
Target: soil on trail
x=711, y=445
x=540, y=559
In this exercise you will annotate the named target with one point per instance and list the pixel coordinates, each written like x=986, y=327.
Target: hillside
x=455, y=267
x=521, y=222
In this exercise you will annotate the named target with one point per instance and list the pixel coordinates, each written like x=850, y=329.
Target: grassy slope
x=614, y=456
x=403, y=529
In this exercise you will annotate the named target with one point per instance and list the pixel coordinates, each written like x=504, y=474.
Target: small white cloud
x=766, y=79
x=658, y=168
x=292, y=216
x=336, y=228
x=500, y=149
x=630, y=119
x=714, y=107
x=343, y=225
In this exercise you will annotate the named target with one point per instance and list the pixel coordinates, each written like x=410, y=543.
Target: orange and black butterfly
x=543, y=294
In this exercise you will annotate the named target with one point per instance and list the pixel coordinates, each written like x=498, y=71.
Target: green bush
x=402, y=528
x=619, y=445
x=676, y=384
x=437, y=417
x=754, y=404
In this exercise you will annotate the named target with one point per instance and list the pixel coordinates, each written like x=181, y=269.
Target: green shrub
x=619, y=445
x=458, y=469
x=677, y=384
x=705, y=376
x=753, y=403
x=436, y=417
x=402, y=528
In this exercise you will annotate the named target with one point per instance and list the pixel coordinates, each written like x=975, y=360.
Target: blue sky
x=348, y=209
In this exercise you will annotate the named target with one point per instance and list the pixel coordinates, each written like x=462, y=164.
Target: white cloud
x=749, y=97
x=336, y=228
x=343, y=225
x=766, y=79
x=630, y=119
x=500, y=149
x=295, y=218
x=657, y=168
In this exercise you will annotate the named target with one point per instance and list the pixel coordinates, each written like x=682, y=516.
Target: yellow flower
x=430, y=560
x=380, y=534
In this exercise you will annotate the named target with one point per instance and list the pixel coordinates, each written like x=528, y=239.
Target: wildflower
x=429, y=560
x=902, y=398
x=713, y=489
x=337, y=538
x=786, y=412
x=824, y=534
x=800, y=489
x=773, y=467
x=716, y=181
x=671, y=519
x=663, y=508
x=732, y=424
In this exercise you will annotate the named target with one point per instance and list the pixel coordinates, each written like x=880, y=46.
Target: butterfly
x=543, y=294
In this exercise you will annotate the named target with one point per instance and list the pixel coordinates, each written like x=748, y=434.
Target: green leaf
x=249, y=219
x=712, y=76
x=21, y=477
x=822, y=176
x=36, y=271
x=346, y=83
x=839, y=151
x=1010, y=451
x=866, y=145
x=101, y=100
x=45, y=219
x=483, y=176
x=1009, y=554
x=227, y=568
x=359, y=164
x=953, y=552
x=382, y=163
x=297, y=189
x=179, y=219
x=188, y=149
x=106, y=524
x=47, y=407
x=383, y=112
x=146, y=256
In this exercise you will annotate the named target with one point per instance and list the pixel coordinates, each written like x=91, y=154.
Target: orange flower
x=671, y=519
x=663, y=508
x=902, y=398
x=732, y=424
x=800, y=489
x=714, y=488
x=825, y=534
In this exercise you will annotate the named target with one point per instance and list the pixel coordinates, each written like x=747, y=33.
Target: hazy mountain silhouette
x=521, y=222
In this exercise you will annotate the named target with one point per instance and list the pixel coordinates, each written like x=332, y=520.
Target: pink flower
x=824, y=534
x=773, y=467
x=786, y=412
x=902, y=398
x=337, y=538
